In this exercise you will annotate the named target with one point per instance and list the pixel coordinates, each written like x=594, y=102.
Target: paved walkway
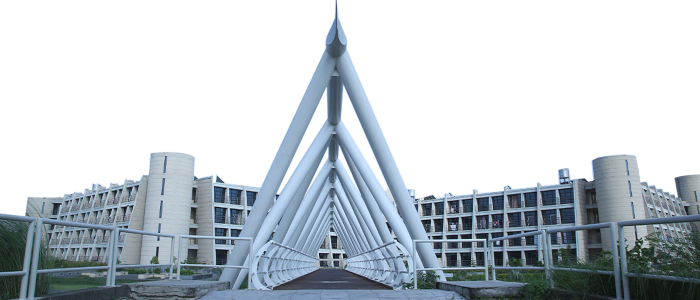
x=333, y=295
x=332, y=279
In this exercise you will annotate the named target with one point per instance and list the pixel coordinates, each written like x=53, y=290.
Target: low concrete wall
x=98, y=293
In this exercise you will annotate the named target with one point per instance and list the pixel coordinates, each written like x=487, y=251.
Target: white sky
x=469, y=94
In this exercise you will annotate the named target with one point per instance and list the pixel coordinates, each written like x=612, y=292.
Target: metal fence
x=415, y=265
x=114, y=253
x=250, y=251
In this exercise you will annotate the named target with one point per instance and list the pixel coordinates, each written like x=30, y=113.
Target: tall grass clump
x=652, y=255
x=663, y=256
x=13, y=238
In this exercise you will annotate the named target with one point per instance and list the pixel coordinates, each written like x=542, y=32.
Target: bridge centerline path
x=332, y=279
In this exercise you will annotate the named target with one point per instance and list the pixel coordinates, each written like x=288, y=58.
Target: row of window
x=566, y=196
x=548, y=217
x=234, y=196
x=559, y=238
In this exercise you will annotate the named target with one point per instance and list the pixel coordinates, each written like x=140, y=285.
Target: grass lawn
x=81, y=282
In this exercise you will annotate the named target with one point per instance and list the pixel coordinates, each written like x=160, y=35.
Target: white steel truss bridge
x=344, y=195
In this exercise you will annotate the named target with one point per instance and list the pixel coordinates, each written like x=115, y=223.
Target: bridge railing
x=416, y=269
x=623, y=254
x=275, y=264
x=27, y=253
x=544, y=236
x=114, y=254
x=250, y=251
x=384, y=264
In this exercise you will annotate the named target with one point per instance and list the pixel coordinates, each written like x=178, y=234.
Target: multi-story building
x=170, y=199
x=615, y=194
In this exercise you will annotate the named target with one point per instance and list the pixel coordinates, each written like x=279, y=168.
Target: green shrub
x=186, y=272
x=426, y=280
x=537, y=290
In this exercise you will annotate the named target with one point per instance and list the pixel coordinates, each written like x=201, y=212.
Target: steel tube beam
x=381, y=151
x=282, y=160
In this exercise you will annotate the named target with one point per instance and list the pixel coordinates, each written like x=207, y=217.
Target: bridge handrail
x=416, y=269
x=390, y=272
x=209, y=237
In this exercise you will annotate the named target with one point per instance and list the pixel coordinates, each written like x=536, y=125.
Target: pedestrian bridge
x=332, y=279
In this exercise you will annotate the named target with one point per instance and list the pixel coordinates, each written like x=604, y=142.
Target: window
x=482, y=204
x=219, y=215
x=566, y=196
x=439, y=208
x=158, y=239
x=497, y=202
x=42, y=207
x=554, y=238
x=220, y=232
x=438, y=225
x=627, y=166
x=514, y=201
x=530, y=199
x=530, y=218
x=165, y=163
x=549, y=198
x=468, y=205
x=634, y=216
x=250, y=197
x=514, y=220
x=219, y=194
x=497, y=221
x=160, y=214
x=696, y=196
x=427, y=209
x=234, y=196
x=567, y=215
x=550, y=217
x=157, y=248
x=162, y=188
x=453, y=207
x=235, y=232
x=568, y=238
x=629, y=183
x=497, y=235
x=236, y=217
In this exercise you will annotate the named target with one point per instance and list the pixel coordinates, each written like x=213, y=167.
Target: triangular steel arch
x=291, y=231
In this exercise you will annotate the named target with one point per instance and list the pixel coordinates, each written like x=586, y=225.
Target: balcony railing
x=235, y=200
x=514, y=223
x=552, y=220
x=229, y=220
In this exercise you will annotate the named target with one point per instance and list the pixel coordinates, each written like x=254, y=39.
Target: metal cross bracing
x=288, y=234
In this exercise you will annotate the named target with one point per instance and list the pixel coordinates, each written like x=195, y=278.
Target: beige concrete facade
x=615, y=194
x=169, y=194
x=210, y=207
x=190, y=206
x=688, y=188
x=618, y=187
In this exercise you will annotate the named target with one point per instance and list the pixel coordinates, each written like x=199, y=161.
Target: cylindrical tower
x=688, y=188
x=168, y=203
x=619, y=195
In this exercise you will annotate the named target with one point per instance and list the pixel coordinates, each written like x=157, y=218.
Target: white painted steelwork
x=356, y=209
